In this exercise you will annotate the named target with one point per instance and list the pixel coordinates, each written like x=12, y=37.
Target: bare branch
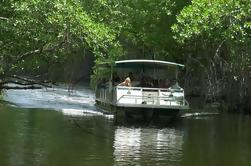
x=219, y=47
x=40, y=50
x=27, y=81
x=18, y=87
x=23, y=56
x=4, y=18
x=216, y=55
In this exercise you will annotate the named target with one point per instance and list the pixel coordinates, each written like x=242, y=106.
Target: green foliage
x=142, y=27
x=217, y=34
x=52, y=30
x=212, y=23
x=147, y=26
x=35, y=34
x=216, y=21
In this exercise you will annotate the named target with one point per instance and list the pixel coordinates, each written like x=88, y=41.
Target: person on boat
x=146, y=81
x=165, y=83
x=127, y=81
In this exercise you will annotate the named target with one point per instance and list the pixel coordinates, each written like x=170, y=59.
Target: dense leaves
x=218, y=35
x=215, y=20
x=43, y=32
x=215, y=24
x=51, y=30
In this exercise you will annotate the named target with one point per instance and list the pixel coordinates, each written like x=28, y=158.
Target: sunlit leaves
x=52, y=29
x=215, y=20
x=218, y=33
x=70, y=22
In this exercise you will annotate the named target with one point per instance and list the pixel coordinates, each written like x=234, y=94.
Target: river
x=55, y=127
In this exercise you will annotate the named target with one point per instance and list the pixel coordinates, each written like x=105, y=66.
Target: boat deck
x=140, y=97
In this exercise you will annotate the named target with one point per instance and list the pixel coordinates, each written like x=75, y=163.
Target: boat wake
x=199, y=114
x=79, y=102
x=83, y=112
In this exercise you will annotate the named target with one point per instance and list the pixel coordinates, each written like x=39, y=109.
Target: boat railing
x=156, y=96
x=153, y=89
x=145, y=97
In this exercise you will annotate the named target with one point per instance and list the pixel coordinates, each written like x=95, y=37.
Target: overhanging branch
x=40, y=50
x=3, y=18
x=18, y=87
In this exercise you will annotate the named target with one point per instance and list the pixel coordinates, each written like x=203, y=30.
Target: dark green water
x=46, y=137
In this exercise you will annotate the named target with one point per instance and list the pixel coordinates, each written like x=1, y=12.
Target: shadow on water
x=152, y=122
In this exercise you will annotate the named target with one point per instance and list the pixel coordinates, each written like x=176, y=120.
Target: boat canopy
x=141, y=63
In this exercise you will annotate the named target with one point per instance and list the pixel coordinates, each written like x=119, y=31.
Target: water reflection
x=21, y=139
x=44, y=137
x=78, y=134
x=80, y=112
x=147, y=146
